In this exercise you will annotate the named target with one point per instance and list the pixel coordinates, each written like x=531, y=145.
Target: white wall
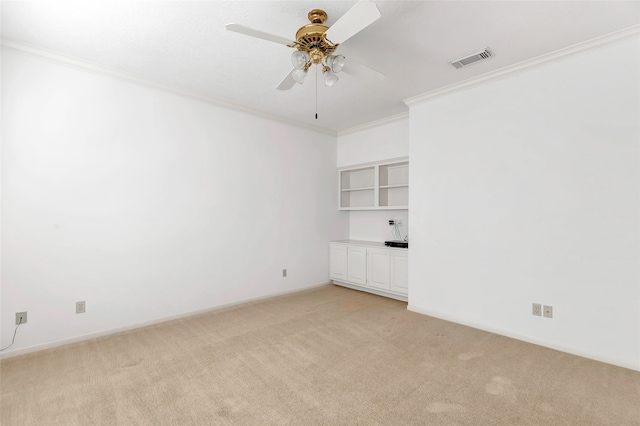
x=373, y=225
x=387, y=140
x=527, y=190
x=149, y=205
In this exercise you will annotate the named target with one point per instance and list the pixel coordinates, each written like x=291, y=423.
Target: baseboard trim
x=523, y=338
x=371, y=290
x=116, y=330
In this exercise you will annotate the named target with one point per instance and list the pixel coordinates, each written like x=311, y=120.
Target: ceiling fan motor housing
x=310, y=38
x=317, y=16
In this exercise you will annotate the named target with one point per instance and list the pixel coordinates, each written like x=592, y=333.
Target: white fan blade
x=363, y=72
x=360, y=16
x=288, y=82
x=237, y=28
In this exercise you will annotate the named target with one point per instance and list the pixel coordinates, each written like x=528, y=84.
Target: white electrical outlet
x=536, y=309
x=284, y=273
x=547, y=311
x=81, y=307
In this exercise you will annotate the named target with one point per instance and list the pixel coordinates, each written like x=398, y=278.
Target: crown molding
x=99, y=69
x=373, y=124
x=523, y=66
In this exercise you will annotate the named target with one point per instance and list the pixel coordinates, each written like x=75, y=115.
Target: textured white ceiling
x=185, y=45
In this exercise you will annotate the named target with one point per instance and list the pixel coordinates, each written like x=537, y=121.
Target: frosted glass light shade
x=299, y=59
x=335, y=62
x=330, y=78
x=299, y=75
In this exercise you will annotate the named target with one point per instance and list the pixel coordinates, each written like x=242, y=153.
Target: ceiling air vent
x=470, y=59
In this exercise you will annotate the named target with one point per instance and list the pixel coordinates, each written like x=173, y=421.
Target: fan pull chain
x=316, y=92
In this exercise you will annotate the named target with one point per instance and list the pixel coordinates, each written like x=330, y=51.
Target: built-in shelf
x=380, y=186
x=368, y=188
x=394, y=186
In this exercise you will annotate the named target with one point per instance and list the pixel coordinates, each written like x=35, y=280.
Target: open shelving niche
x=379, y=186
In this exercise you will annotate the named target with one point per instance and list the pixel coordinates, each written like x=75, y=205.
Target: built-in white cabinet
x=338, y=262
x=377, y=186
x=370, y=266
x=357, y=265
x=379, y=269
x=399, y=272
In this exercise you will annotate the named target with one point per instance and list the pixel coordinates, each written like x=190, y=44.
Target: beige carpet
x=325, y=356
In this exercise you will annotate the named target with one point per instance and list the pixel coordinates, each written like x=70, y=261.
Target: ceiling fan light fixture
x=335, y=62
x=330, y=78
x=299, y=59
x=299, y=75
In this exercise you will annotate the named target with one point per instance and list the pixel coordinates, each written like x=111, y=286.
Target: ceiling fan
x=316, y=44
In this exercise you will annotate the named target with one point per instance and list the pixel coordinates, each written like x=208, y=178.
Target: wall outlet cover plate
x=20, y=315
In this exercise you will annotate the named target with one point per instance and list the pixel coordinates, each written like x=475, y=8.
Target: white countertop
x=374, y=244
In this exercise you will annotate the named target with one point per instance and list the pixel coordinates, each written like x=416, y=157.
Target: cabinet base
x=371, y=290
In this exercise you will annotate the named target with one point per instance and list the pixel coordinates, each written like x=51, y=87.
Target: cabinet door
x=338, y=262
x=399, y=272
x=379, y=268
x=357, y=265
